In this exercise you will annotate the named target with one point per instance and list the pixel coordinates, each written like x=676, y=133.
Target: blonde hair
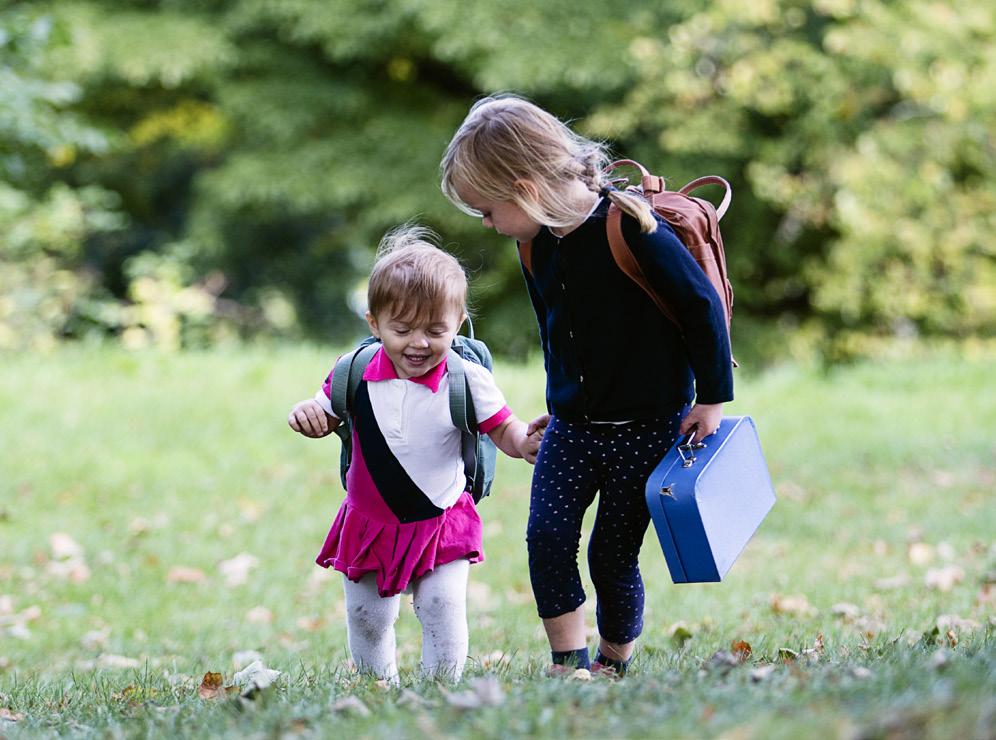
x=505, y=139
x=413, y=279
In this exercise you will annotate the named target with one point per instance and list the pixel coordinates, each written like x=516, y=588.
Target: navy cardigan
x=610, y=354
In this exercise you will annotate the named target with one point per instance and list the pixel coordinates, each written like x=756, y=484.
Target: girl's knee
x=370, y=621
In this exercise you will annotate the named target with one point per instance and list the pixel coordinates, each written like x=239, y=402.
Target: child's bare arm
x=513, y=437
x=310, y=419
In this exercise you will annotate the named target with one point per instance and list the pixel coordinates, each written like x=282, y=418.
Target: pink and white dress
x=407, y=509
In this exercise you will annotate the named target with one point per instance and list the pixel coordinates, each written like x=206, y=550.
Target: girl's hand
x=530, y=445
x=539, y=424
x=704, y=418
x=309, y=418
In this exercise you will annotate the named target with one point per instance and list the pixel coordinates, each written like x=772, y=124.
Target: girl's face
x=416, y=348
x=504, y=216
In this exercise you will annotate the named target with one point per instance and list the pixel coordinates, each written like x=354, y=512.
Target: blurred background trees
x=178, y=173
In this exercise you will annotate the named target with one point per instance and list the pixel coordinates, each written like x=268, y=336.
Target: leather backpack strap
x=712, y=180
x=623, y=256
x=526, y=255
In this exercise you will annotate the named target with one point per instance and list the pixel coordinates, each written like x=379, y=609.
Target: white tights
x=440, y=605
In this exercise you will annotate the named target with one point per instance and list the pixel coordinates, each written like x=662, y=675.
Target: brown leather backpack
x=694, y=220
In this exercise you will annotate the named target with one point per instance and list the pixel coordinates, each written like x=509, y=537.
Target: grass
x=150, y=463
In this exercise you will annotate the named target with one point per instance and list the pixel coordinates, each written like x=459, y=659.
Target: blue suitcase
x=707, y=499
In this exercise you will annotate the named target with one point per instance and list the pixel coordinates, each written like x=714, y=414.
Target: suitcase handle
x=689, y=446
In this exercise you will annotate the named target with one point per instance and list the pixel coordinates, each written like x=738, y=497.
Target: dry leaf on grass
x=213, y=687
x=255, y=675
x=762, y=673
x=350, y=705
x=741, y=650
x=184, y=574
x=944, y=579
x=680, y=633
x=9, y=715
x=117, y=661
x=897, y=581
x=484, y=692
x=920, y=553
x=796, y=605
x=236, y=570
x=844, y=610
x=953, y=621
x=259, y=615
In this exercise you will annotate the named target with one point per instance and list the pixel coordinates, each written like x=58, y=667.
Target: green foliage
x=866, y=142
x=275, y=141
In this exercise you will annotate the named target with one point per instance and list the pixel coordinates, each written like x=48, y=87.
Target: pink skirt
x=398, y=553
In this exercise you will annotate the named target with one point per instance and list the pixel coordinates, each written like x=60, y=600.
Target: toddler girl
x=620, y=375
x=408, y=521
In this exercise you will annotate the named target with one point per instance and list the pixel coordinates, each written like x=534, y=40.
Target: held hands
x=309, y=418
x=530, y=444
x=704, y=419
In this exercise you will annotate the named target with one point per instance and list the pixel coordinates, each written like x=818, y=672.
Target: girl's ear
x=527, y=189
x=372, y=323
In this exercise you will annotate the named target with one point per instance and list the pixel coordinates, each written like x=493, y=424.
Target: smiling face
x=504, y=216
x=416, y=346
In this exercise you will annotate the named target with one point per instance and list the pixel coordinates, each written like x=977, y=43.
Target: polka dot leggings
x=575, y=462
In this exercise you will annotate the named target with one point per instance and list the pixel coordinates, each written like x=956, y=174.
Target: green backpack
x=479, y=453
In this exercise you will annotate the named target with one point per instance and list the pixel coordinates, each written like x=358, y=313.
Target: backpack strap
x=346, y=378
x=462, y=414
x=623, y=256
x=526, y=255
x=712, y=180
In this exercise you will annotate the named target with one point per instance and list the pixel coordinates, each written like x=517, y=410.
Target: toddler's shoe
x=555, y=670
x=600, y=670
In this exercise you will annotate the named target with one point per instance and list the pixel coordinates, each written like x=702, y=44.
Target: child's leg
x=441, y=607
x=564, y=485
x=370, y=620
x=631, y=454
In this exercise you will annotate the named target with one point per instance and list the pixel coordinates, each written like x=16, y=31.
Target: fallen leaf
x=944, y=579
x=920, y=553
x=680, y=633
x=484, y=692
x=722, y=661
x=106, y=660
x=350, y=705
x=940, y=659
x=64, y=547
x=797, y=605
x=311, y=624
x=741, y=650
x=213, y=687
x=409, y=698
x=762, y=673
x=259, y=615
x=9, y=715
x=236, y=570
x=848, y=612
x=892, y=582
x=183, y=574
x=494, y=659
x=953, y=621
x=255, y=674
x=787, y=655
x=95, y=639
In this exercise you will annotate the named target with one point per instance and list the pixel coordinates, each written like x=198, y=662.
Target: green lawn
x=137, y=490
